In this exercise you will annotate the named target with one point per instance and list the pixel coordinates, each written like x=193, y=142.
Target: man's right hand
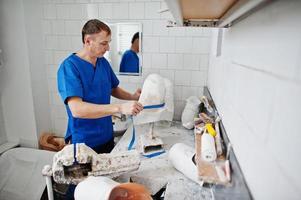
x=131, y=108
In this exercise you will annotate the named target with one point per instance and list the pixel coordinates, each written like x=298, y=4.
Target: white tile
x=51, y=42
x=182, y=77
x=60, y=124
x=179, y=107
x=62, y=11
x=49, y=11
x=46, y=25
x=175, y=61
x=159, y=28
x=178, y=93
x=194, y=31
x=201, y=45
x=55, y=99
x=188, y=91
x=204, y=61
x=191, y=61
x=73, y=27
x=123, y=79
x=60, y=56
x=284, y=138
x=198, y=78
x=177, y=31
x=120, y=11
x=151, y=10
x=183, y=45
x=48, y=57
x=67, y=1
x=83, y=1
x=92, y=11
x=51, y=71
x=159, y=60
x=76, y=43
x=147, y=60
x=77, y=11
x=58, y=27
x=146, y=72
x=167, y=44
x=150, y=44
x=136, y=10
x=169, y=74
x=60, y=112
x=105, y=11
x=167, y=14
x=130, y=87
x=136, y=79
x=64, y=43
x=269, y=169
x=52, y=85
x=207, y=32
x=147, y=27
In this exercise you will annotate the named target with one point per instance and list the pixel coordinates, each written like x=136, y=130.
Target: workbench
x=157, y=173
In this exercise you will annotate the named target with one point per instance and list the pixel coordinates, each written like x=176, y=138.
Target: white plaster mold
x=88, y=163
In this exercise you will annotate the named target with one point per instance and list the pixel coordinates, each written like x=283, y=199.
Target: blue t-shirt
x=79, y=78
x=129, y=62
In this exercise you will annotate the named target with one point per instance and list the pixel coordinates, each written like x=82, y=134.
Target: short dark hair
x=135, y=36
x=94, y=26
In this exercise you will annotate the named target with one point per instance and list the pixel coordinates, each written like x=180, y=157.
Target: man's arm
x=85, y=110
x=120, y=93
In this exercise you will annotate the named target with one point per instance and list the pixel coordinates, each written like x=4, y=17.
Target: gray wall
x=24, y=91
x=256, y=84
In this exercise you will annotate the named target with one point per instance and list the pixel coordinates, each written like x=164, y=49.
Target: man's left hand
x=137, y=94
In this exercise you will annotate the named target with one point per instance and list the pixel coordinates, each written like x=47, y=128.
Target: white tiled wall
x=180, y=54
x=256, y=85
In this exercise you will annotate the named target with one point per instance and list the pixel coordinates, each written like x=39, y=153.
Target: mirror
x=125, y=48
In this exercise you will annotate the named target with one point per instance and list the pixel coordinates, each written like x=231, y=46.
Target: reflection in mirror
x=125, y=48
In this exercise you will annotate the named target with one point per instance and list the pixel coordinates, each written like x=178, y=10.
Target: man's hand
x=131, y=108
x=137, y=94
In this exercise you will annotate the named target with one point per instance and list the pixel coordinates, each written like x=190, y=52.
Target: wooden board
x=205, y=9
x=207, y=170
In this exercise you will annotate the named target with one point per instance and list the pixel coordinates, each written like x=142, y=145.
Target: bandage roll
x=208, y=152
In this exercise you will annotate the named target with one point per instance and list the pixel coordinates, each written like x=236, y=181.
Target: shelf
x=212, y=13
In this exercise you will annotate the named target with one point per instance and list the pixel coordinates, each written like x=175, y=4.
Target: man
x=86, y=83
x=130, y=60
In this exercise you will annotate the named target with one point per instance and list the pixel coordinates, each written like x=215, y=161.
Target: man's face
x=98, y=43
x=136, y=45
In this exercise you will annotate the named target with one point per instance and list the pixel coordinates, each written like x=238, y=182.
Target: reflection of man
x=130, y=61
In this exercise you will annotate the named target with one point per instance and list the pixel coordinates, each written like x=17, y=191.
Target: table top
x=156, y=173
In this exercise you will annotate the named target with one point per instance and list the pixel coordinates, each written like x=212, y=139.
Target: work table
x=156, y=173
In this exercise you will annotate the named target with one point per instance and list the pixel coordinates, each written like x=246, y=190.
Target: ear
x=88, y=39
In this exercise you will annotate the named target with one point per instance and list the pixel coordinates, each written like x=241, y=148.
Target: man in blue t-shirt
x=86, y=82
x=130, y=60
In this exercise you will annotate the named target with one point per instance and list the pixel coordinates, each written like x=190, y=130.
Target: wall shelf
x=211, y=13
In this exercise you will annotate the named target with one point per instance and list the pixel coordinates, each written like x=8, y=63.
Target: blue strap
x=154, y=106
x=134, y=131
x=154, y=154
x=74, y=154
x=133, y=135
